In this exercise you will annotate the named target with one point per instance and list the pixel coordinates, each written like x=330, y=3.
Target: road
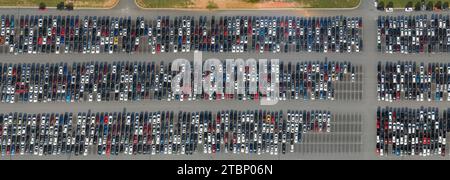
x=364, y=109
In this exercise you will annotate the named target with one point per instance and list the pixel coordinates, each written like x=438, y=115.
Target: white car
x=110, y=49
x=409, y=9
x=99, y=97
x=448, y=96
x=137, y=41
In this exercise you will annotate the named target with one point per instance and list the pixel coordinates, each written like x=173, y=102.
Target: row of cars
x=413, y=81
x=414, y=34
x=34, y=34
x=137, y=81
x=412, y=132
x=151, y=133
x=7, y=33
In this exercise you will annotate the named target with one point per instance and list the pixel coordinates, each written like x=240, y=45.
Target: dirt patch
x=240, y=4
x=97, y=3
x=279, y=5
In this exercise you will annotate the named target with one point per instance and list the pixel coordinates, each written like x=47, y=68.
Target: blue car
x=68, y=97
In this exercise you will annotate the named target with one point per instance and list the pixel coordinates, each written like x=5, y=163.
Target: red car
x=225, y=138
x=218, y=96
x=97, y=119
x=106, y=119
x=218, y=119
x=378, y=123
x=213, y=149
x=135, y=139
x=256, y=97
x=158, y=48
x=108, y=146
x=40, y=41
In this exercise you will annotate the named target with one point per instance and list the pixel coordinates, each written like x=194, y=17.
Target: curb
x=80, y=8
x=244, y=9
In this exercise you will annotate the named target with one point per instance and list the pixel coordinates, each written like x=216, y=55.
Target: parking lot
x=33, y=34
x=412, y=132
x=358, y=135
x=170, y=133
x=413, y=82
x=351, y=91
x=413, y=34
x=345, y=138
x=138, y=81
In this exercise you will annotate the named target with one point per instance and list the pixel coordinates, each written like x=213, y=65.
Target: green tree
x=445, y=6
x=212, y=5
x=69, y=6
x=417, y=6
x=430, y=6
x=42, y=6
x=438, y=5
x=60, y=6
x=381, y=5
x=409, y=4
x=390, y=4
